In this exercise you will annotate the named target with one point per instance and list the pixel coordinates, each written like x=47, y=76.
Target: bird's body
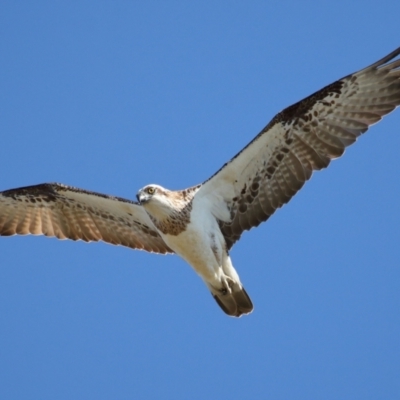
x=203, y=222
x=201, y=244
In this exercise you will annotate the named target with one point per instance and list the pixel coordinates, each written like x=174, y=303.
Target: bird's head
x=155, y=199
x=147, y=194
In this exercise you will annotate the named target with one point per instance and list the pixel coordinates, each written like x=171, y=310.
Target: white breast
x=199, y=242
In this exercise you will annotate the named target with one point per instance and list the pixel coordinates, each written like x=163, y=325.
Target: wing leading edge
x=302, y=138
x=66, y=212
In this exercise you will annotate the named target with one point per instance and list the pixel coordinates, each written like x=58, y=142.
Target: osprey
x=203, y=222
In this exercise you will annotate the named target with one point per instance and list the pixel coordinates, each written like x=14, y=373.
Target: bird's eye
x=150, y=190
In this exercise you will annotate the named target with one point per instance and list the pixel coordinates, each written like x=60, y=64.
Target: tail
x=235, y=303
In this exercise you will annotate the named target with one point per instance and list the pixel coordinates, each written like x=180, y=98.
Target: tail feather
x=235, y=303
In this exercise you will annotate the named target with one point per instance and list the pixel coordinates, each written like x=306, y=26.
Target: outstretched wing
x=304, y=137
x=66, y=212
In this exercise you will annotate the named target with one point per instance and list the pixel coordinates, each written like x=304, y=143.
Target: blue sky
x=110, y=96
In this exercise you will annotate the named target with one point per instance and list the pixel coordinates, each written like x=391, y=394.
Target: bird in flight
x=203, y=222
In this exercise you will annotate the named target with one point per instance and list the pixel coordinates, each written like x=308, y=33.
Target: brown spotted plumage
x=302, y=138
x=66, y=212
x=203, y=222
x=175, y=223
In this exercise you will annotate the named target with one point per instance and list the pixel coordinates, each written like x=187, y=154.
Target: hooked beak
x=142, y=197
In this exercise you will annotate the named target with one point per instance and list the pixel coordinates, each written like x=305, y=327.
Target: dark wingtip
x=385, y=59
